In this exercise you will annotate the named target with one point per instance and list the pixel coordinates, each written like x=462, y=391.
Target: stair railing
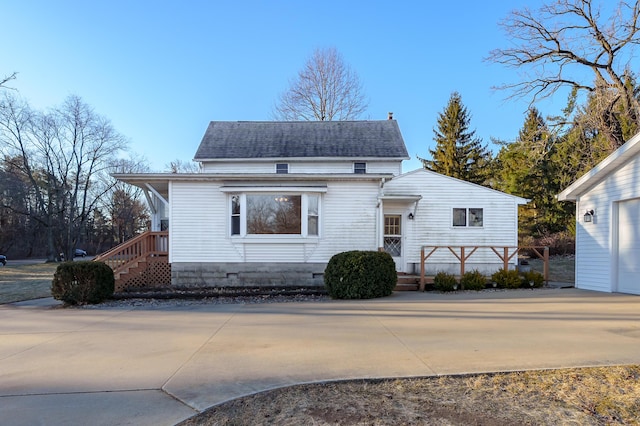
x=148, y=244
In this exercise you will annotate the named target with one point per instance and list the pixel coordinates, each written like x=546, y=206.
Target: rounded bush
x=445, y=282
x=507, y=279
x=360, y=275
x=79, y=283
x=534, y=277
x=473, y=280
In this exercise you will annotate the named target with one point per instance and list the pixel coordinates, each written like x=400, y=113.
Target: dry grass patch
x=25, y=282
x=585, y=396
x=561, y=268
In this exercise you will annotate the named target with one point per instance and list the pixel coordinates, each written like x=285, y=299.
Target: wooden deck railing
x=144, y=245
x=505, y=253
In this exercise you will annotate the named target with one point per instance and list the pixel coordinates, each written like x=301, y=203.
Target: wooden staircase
x=407, y=282
x=141, y=262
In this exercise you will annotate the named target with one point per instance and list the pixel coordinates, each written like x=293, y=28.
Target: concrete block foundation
x=207, y=275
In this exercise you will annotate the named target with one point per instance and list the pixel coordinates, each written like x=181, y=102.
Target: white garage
x=608, y=222
x=628, y=247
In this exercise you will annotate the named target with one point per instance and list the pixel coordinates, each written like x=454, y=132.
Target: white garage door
x=629, y=247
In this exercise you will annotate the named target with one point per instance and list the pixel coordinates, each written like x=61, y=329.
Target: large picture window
x=275, y=214
x=468, y=217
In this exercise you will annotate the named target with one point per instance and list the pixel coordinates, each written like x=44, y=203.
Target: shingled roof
x=301, y=139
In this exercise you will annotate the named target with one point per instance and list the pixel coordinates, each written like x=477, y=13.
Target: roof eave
x=600, y=171
x=134, y=178
x=271, y=159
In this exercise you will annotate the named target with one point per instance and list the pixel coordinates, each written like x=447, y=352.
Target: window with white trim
x=235, y=215
x=282, y=168
x=393, y=234
x=313, y=214
x=360, y=168
x=254, y=214
x=468, y=217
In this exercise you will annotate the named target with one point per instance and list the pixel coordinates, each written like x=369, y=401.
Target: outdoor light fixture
x=588, y=216
x=410, y=216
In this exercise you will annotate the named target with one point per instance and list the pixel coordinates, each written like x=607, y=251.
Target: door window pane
x=392, y=224
x=392, y=235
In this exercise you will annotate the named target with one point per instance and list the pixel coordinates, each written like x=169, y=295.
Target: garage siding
x=596, y=242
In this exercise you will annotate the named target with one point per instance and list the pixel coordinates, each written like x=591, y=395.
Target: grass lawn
x=25, y=282
x=561, y=268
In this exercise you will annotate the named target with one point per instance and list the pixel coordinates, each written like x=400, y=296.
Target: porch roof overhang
x=160, y=181
x=408, y=199
x=401, y=199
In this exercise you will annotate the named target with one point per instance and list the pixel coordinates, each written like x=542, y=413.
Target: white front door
x=393, y=239
x=629, y=247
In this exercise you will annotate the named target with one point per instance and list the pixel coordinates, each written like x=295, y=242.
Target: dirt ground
x=587, y=396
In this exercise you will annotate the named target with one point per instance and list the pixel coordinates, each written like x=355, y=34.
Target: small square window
x=282, y=168
x=468, y=217
x=475, y=217
x=459, y=217
x=360, y=168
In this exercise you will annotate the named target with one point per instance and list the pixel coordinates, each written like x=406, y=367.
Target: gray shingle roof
x=291, y=139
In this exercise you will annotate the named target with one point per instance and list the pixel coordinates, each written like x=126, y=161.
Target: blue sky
x=161, y=71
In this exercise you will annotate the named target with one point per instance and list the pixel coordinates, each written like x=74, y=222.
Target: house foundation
x=255, y=274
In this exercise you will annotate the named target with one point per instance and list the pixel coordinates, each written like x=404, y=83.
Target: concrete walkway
x=158, y=366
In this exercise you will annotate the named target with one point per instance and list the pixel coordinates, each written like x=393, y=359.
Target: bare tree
x=4, y=80
x=128, y=213
x=562, y=42
x=65, y=157
x=180, y=166
x=325, y=89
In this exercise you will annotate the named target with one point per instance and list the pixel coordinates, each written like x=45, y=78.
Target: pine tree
x=528, y=168
x=458, y=153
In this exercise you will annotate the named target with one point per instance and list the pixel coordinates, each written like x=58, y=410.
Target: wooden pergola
x=463, y=253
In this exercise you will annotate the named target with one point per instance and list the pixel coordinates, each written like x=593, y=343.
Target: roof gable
x=472, y=186
x=613, y=162
x=225, y=140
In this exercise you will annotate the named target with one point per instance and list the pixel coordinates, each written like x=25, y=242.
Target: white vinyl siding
x=302, y=166
x=596, y=242
x=348, y=219
x=432, y=224
x=198, y=231
x=628, y=248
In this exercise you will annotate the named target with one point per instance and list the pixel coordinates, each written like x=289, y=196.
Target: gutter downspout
x=380, y=217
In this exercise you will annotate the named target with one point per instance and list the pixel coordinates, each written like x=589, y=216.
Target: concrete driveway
x=158, y=366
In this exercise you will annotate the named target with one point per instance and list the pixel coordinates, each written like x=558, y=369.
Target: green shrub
x=534, y=277
x=79, y=283
x=506, y=279
x=445, y=282
x=473, y=280
x=360, y=275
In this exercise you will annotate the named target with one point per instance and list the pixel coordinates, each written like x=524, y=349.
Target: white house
x=608, y=222
x=274, y=201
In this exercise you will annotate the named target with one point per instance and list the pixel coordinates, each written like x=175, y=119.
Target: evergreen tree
x=529, y=168
x=458, y=153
